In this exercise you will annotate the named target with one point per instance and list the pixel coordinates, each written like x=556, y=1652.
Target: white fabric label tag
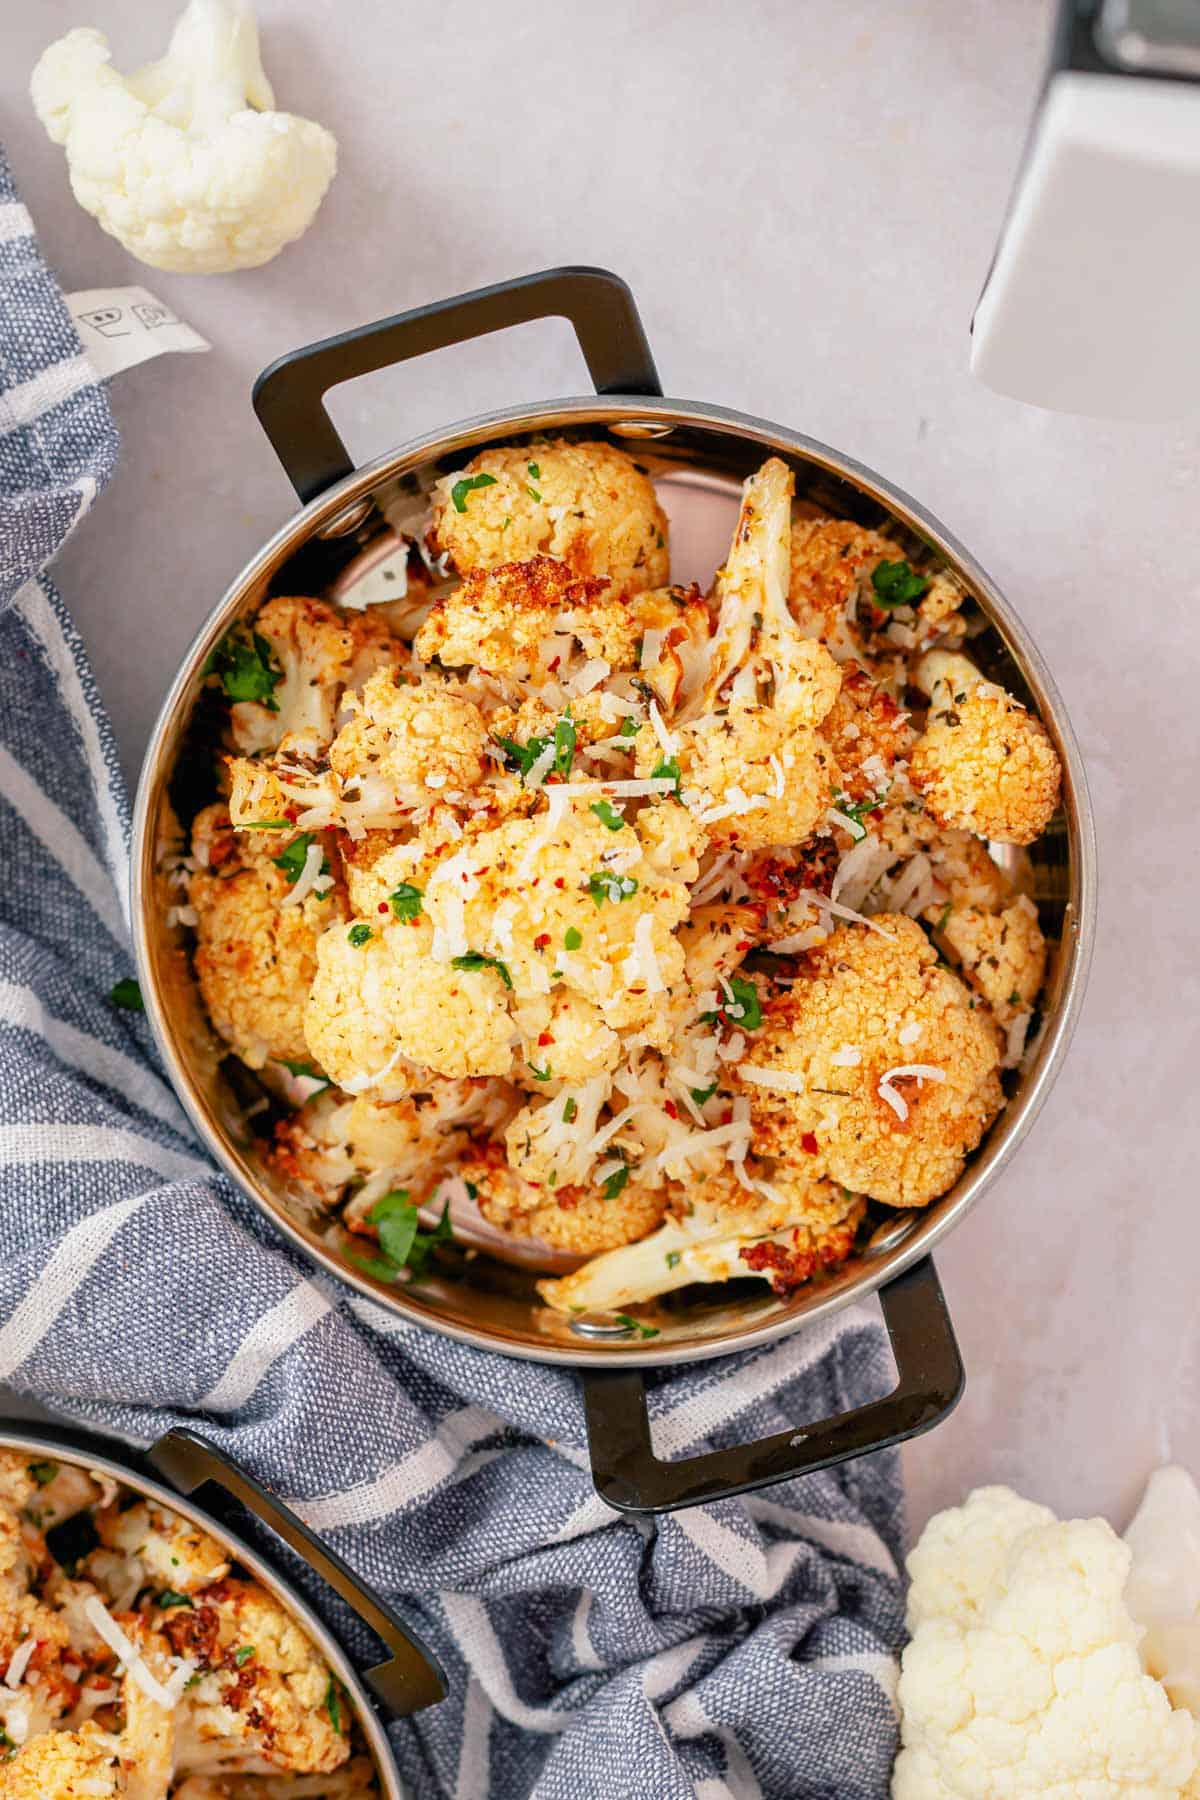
x=121, y=327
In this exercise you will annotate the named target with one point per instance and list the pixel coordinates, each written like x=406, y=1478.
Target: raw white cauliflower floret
x=186, y=162
x=586, y=504
x=984, y=762
x=1023, y=1676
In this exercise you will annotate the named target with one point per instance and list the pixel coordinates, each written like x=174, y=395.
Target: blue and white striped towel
x=742, y=1649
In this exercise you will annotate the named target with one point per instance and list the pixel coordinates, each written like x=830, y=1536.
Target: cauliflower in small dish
x=654, y=933
x=150, y=1666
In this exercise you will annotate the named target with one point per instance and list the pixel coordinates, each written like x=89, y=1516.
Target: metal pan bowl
x=698, y=455
x=196, y=1461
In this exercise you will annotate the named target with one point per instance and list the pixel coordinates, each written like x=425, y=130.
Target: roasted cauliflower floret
x=675, y=627
x=565, y=901
x=983, y=763
x=415, y=745
x=749, y=778
x=256, y=944
x=785, y=1231
x=672, y=841
x=867, y=733
x=65, y=1765
x=588, y=505
x=157, y=1549
x=313, y=655
x=875, y=1066
x=382, y=1007
x=524, y=619
x=583, y=1218
x=334, y=1144
x=847, y=582
x=1002, y=955
x=277, y=1708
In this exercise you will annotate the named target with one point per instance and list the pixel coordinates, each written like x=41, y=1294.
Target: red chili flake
x=541, y=940
x=742, y=944
x=545, y=1037
x=809, y=1142
x=555, y=664
x=670, y=1108
x=560, y=881
x=727, y=1117
x=382, y=907
x=292, y=813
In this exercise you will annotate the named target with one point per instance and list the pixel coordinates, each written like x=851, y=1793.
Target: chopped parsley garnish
x=605, y=884
x=674, y=1258
x=406, y=900
x=128, y=994
x=703, y=1095
x=629, y=726
x=266, y=825
x=667, y=770
x=172, y=1597
x=856, y=811
x=745, y=1008
x=242, y=1657
x=572, y=938
x=616, y=1181
x=534, y=471
x=403, y=1243
x=358, y=935
x=607, y=815
x=475, y=959
x=243, y=661
x=533, y=493
x=293, y=859
x=570, y=1109
x=468, y=485
x=522, y=756
x=546, y=1074
x=333, y=1704
x=43, y=1472
x=1014, y=999
x=632, y=1324
x=896, y=584
x=564, y=744
x=945, y=914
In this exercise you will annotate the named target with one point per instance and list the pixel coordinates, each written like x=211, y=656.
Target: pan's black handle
x=289, y=396
x=411, y=1677
x=630, y=1477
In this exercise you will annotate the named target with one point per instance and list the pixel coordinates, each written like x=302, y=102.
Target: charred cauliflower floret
x=256, y=941
x=382, y=1006
x=983, y=763
x=587, y=504
x=583, y=1218
x=65, y=1765
x=278, y=1707
x=333, y=1144
x=312, y=655
x=1002, y=955
x=415, y=744
x=867, y=733
x=786, y=1231
x=674, y=628
x=524, y=620
x=847, y=581
x=875, y=1066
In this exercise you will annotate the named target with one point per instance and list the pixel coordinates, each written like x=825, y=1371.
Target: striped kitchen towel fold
x=746, y=1648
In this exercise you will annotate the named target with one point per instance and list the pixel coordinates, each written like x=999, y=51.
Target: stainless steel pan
x=698, y=456
x=196, y=1480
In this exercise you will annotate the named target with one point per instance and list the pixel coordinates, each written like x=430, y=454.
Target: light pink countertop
x=805, y=200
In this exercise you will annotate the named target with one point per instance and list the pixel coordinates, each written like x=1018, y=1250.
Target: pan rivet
x=889, y=1234
x=640, y=428
x=599, y=1325
x=346, y=521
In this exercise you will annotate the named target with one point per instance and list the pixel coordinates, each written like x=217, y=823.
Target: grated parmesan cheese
x=778, y=1081
x=309, y=877
x=19, y=1662
x=105, y=1626
x=920, y=1072
x=668, y=742
x=849, y=1056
